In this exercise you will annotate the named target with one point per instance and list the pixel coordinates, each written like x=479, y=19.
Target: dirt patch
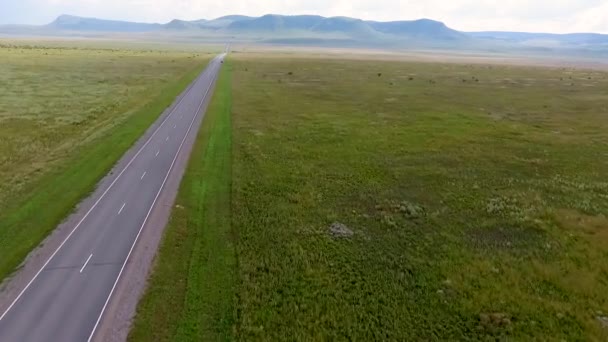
x=494, y=323
x=596, y=226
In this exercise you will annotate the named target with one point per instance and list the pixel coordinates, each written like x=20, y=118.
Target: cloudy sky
x=514, y=15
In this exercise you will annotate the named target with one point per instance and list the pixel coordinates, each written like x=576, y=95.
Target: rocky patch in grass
x=340, y=231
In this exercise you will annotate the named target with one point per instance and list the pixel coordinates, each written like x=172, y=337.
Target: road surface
x=66, y=299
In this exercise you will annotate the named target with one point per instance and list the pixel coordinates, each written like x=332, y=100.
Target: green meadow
x=328, y=198
x=67, y=114
x=390, y=200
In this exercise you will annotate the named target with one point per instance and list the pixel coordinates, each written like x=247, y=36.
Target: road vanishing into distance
x=66, y=299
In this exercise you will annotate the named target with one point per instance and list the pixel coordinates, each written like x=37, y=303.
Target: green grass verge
x=191, y=291
x=32, y=215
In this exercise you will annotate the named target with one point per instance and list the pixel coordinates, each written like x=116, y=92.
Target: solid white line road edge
x=100, y=198
x=151, y=208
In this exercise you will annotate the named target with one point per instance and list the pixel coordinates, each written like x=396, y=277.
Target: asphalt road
x=66, y=299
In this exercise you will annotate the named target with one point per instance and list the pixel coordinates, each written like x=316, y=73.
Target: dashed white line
x=27, y=286
x=174, y=126
x=121, y=208
x=86, y=263
x=157, y=152
x=167, y=139
x=143, y=175
x=103, y=309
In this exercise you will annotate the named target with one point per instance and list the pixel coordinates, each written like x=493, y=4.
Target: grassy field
x=379, y=200
x=167, y=45
x=476, y=193
x=66, y=116
x=190, y=295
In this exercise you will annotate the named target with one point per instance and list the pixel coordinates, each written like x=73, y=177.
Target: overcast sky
x=469, y=15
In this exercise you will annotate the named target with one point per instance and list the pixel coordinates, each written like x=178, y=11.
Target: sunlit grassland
x=66, y=116
x=477, y=195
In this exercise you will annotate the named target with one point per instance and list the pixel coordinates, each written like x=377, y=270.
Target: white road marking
x=86, y=263
x=27, y=286
x=121, y=208
x=150, y=210
x=174, y=126
x=157, y=152
x=167, y=139
x=144, y=175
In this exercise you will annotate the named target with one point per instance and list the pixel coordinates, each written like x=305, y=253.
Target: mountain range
x=272, y=25
x=318, y=30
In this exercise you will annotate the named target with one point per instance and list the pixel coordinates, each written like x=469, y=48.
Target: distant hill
x=73, y=23
x=423, y=28
x=352, y=27
x=275, y=23
x=318, y=30
x=223, y=22
x=177, y=24
x=273, y=26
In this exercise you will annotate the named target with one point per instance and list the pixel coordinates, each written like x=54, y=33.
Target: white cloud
x=518, y=15
x=594, y=19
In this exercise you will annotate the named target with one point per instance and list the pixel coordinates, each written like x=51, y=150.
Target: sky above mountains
x=555, y=16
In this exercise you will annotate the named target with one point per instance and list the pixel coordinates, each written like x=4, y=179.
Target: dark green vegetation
x=66, y=116
x=376, y=200
x=190, y=295
x=477, y=196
